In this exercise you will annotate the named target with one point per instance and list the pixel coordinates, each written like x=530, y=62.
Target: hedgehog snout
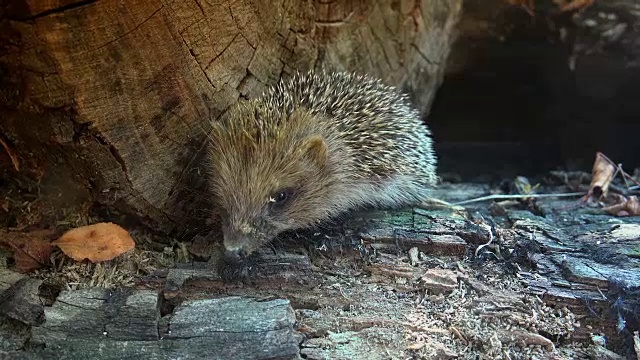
x=240, y=241
x=235, y=247
x=234, y=257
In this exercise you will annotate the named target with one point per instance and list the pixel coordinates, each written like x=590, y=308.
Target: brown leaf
x=31, y=250
x=627, y=207
x=601, y=175
x=98, y=242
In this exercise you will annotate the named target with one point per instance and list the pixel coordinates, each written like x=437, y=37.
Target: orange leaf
x=31, y=250
x=98, y=242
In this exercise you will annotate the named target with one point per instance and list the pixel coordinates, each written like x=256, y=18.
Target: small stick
x=522, y=196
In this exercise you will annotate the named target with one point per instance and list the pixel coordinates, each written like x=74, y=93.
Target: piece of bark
x=113, y=315
x=9, y=278
x=281, y=271
x=601, y=353
x=19, y=298
x=14, y=334
x=406, y=229
x=439, y=281
x=20, y=308
x=124, y=324
x=584, y=262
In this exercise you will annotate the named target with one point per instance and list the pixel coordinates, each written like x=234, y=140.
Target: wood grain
x=112, y=100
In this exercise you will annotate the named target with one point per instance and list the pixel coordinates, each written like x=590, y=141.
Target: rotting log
x=108, y=102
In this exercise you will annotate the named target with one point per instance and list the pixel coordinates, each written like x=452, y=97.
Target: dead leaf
x=98, y=242
x=601, y=175
x=627, y=207
x=31, y=250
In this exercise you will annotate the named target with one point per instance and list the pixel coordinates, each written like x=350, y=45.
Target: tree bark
x=108, y=102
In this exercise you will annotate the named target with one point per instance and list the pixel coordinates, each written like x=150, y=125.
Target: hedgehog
x=315, y=146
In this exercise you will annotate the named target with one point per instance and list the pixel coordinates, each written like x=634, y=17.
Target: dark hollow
x=516, y=108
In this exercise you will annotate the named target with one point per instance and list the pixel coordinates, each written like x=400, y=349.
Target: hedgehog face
x=268, y=178
x=249, y=224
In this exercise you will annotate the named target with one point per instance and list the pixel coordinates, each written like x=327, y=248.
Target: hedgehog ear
x=315, y=149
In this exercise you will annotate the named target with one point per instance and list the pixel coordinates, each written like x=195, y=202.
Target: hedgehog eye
x=280, y=197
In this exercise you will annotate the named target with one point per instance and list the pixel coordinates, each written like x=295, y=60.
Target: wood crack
x=197, y=62
x=119, y=159
x=201, y=8
x=223, y=50
x=53, y=11
x=130, y=31
x=380, y=43
x=227, y=332
x=424, y=56
x=240, y=29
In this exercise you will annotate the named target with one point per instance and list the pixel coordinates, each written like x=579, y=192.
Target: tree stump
x=109, y=102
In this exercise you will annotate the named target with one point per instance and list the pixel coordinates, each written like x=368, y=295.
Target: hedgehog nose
x=234, y=256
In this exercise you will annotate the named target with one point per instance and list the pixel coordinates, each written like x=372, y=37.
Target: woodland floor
x=516, y=279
